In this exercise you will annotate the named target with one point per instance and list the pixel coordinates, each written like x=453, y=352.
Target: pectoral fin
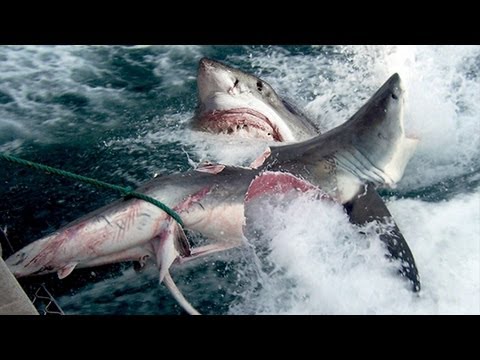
x=66, y=270
x=369, y=207
x=170, y=244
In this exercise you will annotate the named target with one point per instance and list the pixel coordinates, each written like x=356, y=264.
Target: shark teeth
x=243, y=122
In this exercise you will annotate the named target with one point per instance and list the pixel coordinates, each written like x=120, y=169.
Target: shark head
x=370, y=147
x=237, y=103
x=27, y=261
x=377, y=136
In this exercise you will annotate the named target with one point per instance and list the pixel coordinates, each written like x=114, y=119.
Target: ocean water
x=121, y=114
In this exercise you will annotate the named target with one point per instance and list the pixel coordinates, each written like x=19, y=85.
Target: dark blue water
x=121, y=114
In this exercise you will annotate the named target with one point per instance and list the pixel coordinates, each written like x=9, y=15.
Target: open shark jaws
x=341, y=165
x=233, y=102
x=236, y=103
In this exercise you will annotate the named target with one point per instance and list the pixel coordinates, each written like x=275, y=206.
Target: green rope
x=125, y=191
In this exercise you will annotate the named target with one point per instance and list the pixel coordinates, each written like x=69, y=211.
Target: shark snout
x=206, y=63
x=213, y=78
x=17, y=263
x=396, y=87
x=207, y=67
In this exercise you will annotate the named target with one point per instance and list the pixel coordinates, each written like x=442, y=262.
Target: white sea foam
x=442, y=109
x=322, y=264
x=442, y=102
x=319, y=263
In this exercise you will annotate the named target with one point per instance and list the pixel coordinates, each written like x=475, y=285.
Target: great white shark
x=233, y=102
x=336, y=166
x=236, y=103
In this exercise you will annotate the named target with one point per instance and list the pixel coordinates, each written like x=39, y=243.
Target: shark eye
x=259, y=85
x=395, y=97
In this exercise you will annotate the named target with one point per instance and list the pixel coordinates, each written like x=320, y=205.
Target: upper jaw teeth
x=243, y=128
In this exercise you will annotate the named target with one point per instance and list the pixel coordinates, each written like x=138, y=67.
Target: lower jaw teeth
x=239, y=129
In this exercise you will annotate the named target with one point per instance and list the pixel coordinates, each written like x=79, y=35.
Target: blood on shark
x=370, y=149
x=237, y=103
x=228, y=98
